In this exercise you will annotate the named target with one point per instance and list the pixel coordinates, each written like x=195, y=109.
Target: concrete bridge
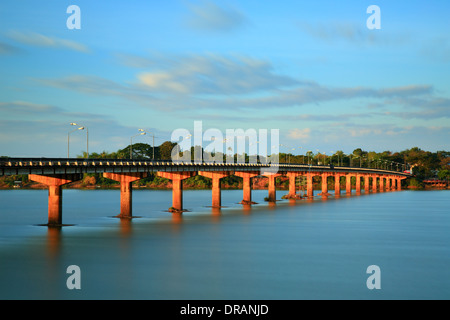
x=58, y=172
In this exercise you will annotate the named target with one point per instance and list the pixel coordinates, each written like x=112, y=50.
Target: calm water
x=308, y=250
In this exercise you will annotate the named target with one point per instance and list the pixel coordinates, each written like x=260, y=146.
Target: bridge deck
x=47, y=166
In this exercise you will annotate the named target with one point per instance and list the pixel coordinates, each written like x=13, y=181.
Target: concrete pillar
x=216, y=189
x=54, y=183
x=374, y=183
x=388, y=183
x=309, y=185
x=399, y=184
x=348, y=184
x=366, y=183
x=126, y=190
x=247, y=186
x=382, y=184
x=324, y=177
x=292, y=178
x=337, y=185
x=358, y=184
x=272, y=186
x=177, y=187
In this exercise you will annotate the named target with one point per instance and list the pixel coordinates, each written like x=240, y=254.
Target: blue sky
x=311, y=69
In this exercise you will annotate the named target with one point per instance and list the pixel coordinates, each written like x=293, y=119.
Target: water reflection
x=125, y=227
x=54, y=242
x=216, y=214
x=246, y=209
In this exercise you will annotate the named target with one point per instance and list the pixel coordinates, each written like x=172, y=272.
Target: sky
x=311, y=69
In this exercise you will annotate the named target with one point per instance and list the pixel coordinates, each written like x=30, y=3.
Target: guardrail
x=17, y=166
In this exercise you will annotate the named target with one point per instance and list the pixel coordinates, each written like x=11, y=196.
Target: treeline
x=423, y=164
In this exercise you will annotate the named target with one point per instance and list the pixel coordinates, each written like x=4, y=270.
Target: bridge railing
x=80, y=162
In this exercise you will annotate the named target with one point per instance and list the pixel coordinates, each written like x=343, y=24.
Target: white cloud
x=210, y=17
x=300, y=134
x=39, y=40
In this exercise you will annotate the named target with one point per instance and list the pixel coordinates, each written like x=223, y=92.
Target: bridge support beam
x=374, y=183
x=337, y=185
x=348, y=184
x=216, y=189
x=399, y=184
x=358, y=184
x=324, y=177
x=177, y=188
x=126, y=190
x=272, y=185
x=247, y=185
x=292, y=184
x=54, y=183
x=382, y=184
x=309, y=185
x=366, y=183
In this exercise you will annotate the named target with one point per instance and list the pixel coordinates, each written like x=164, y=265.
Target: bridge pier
x=324, y=177
x=272, y=185
x=292, y=184
x=348, y=185
x=382, y=184
x=126, y=190
x=374, y=183
x=216, y=189
x=337, y=185
x=366, y=183
x=177, y=187
x=399, y=184
x=358, y=184
x=54, y=183
x=247, y=186
x=309, y=185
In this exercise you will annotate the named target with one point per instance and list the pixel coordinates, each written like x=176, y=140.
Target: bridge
x=56, y=172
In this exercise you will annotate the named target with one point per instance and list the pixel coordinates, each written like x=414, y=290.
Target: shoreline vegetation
x=93, y=182
x=431, y=170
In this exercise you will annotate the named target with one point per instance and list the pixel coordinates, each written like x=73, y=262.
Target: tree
x=165, y=150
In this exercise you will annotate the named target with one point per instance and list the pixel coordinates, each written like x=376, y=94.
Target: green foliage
x=415, y=183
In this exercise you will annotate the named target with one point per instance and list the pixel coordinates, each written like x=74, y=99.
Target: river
x=308, y=249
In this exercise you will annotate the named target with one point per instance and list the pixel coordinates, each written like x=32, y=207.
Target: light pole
x=68, y=138
x=87, y=138
x=131, y=141
x=153, y=146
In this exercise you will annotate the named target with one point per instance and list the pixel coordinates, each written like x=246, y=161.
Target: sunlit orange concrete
x=247, y=186
x=399, y=184
x=382, y=184
x=292, y=179
x=126, y=190
x=54, y=183
x=324, y=177
x=337, y=185
x=272, y=186
x=309, y=185
x=216, y=189
x=177, y=187
x=358, y=184
x=366, y=183
x=348, y=184
x=374, y=183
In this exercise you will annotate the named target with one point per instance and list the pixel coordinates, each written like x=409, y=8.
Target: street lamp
x=87, y=137
x=131, y=141
x=68, y=138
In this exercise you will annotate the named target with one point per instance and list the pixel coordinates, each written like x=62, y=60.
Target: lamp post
x=87, y=137
x=131, y=141
x=68, y=138
x=153, y=145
